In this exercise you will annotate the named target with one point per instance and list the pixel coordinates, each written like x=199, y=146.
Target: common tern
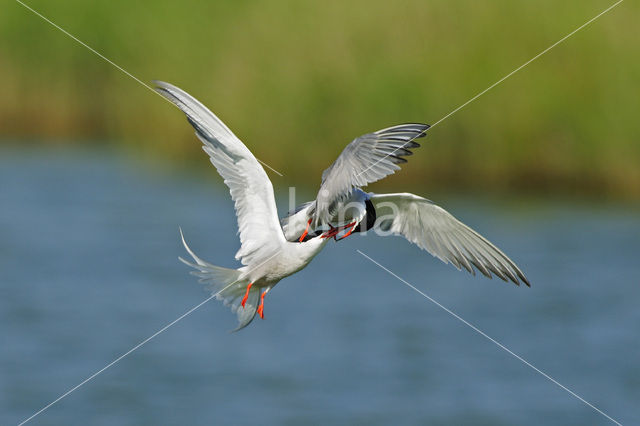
x=272, y=250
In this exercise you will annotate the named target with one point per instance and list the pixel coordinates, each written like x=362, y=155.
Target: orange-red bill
x=306, y=231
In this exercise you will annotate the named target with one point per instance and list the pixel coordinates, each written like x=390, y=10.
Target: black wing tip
x=164, y=90
x=516, y=281
x=422, y=127
x=411, y=124
x=160, y=86
x=406, y=127
x=167, y=90
x=519, y=276
x=423, y=131
x=396, y=159
x=419, y=129
x=506, y=278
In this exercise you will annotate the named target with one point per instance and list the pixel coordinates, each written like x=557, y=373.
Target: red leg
x=306, y=231
x=348, y=233
x=261, y=305
x=246, y=295
x=330, y=233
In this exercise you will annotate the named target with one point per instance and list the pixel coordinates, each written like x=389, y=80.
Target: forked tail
x=226, y=285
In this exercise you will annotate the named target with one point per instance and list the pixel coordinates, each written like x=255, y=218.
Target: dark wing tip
x=405, y=127
x=520, y=277
x=160, y=86
x=419, y=128
x=397, y=160
x=164, y=89
x=423, y=131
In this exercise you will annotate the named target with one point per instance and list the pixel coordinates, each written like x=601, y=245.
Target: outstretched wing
x=434, y=229
x=366, y=159
x=249, y=185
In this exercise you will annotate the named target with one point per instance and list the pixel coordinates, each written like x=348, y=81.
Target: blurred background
x=97, y=173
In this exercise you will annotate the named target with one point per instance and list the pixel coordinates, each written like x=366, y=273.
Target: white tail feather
x=226, y=285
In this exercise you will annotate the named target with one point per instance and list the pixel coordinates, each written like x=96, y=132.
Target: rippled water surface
x=88, y=269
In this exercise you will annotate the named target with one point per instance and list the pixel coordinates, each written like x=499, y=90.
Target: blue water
x=88, y=269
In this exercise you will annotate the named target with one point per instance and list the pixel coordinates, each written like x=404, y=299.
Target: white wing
x=365, y=160
x=433, y=229
x=250, y=187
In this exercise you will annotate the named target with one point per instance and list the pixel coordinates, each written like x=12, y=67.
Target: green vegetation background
x=297, y=80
